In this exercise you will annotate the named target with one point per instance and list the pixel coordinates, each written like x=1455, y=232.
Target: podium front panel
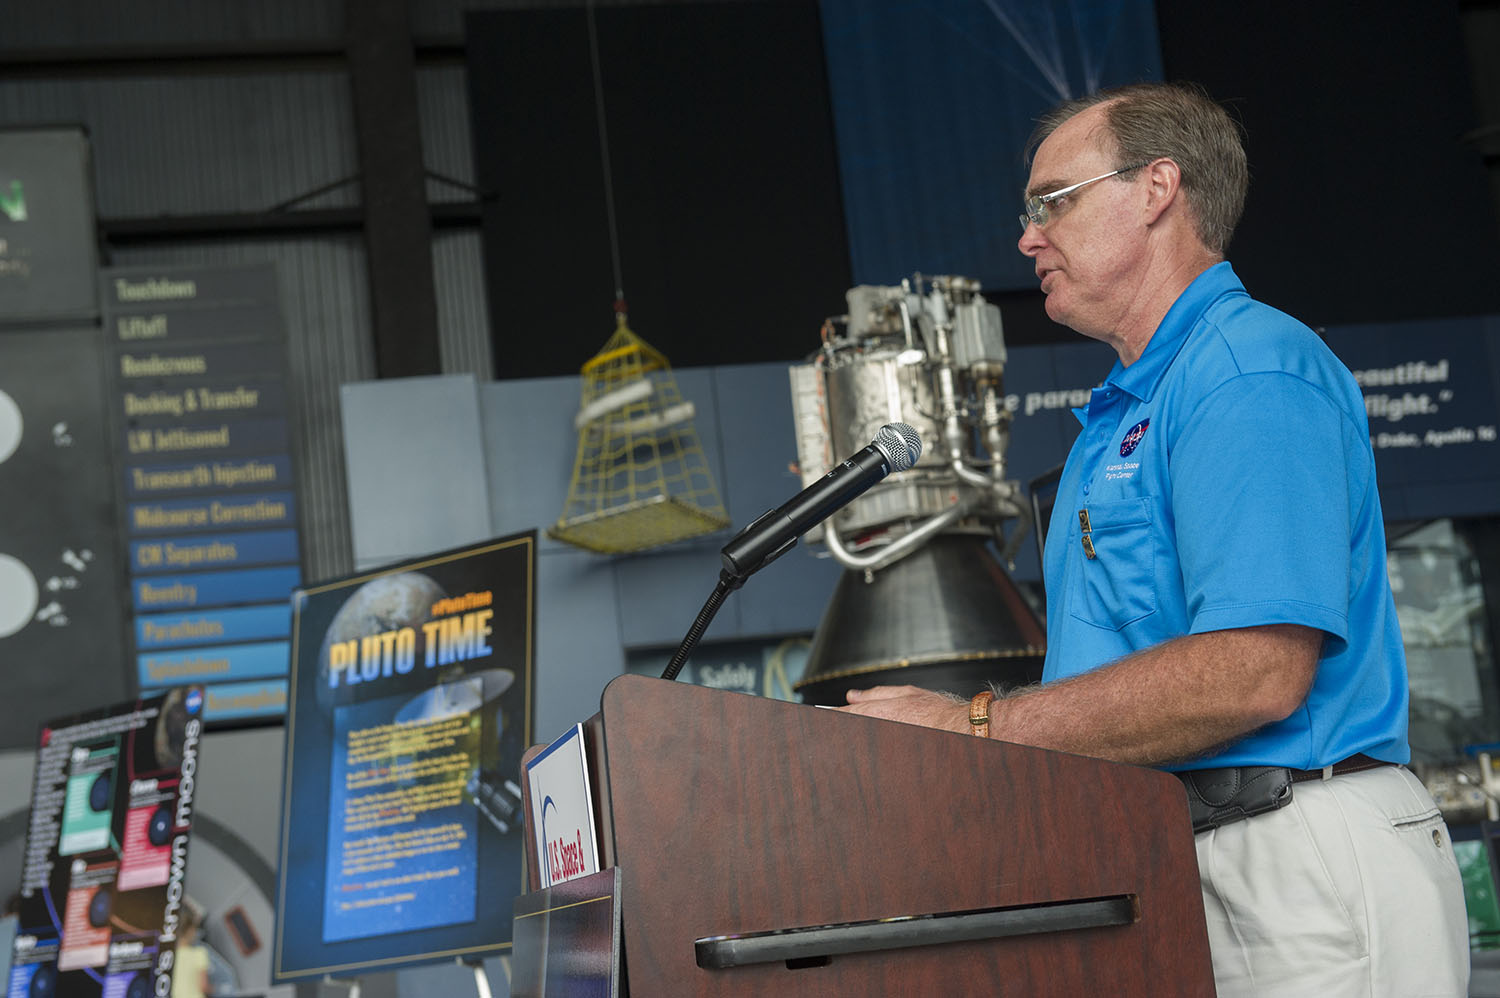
x=733, y=814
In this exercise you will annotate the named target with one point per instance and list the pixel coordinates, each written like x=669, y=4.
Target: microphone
x=896, y=448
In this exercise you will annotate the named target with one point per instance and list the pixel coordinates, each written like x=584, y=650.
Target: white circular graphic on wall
x=18, y=594
x=10, y=426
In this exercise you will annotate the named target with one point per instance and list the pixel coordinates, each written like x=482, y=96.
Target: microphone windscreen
x=901, y=444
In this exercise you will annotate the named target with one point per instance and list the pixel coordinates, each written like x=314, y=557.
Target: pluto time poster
x=412, y=699
x=106, y=850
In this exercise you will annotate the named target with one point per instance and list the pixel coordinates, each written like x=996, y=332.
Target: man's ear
x=1164, y=187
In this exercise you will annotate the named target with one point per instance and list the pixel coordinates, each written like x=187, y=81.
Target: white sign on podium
x=562, y=810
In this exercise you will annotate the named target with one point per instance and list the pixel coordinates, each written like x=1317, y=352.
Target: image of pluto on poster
x=106, y=854
x=412, y=697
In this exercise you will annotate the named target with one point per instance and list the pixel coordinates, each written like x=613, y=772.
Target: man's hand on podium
x=911, y=705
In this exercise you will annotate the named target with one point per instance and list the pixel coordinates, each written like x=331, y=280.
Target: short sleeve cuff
x=1224, y=618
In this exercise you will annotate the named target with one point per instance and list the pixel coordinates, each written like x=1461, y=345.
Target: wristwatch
x=979, y=713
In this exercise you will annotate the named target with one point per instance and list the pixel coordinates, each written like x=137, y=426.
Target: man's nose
x=1032, y=240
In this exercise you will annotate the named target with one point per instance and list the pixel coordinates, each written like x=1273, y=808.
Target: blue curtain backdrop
x=933, y=101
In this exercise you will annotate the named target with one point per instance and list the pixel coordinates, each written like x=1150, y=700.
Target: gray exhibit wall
x=441, y=461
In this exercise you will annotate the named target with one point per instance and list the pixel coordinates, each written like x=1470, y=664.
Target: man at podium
x=1217, y=599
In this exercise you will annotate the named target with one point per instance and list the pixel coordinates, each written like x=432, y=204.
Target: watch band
x=979, y=713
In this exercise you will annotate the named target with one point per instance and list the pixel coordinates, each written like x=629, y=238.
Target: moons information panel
x=412, y=698
x=106, y=851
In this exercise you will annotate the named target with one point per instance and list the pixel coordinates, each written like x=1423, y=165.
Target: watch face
x=99, y=909
x=43, y=983
x=159, y=828
x=99, y=792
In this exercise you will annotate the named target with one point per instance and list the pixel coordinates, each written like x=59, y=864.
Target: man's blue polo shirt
x=1225, y=479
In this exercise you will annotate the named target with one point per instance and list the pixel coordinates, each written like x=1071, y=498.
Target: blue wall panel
x=755, y=412
x=416, y=466
x=578, y=648
x=529, y=447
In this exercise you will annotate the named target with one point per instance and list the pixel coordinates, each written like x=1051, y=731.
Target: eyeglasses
x=1036, y=207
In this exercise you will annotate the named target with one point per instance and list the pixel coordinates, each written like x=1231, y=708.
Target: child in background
x=190, y=971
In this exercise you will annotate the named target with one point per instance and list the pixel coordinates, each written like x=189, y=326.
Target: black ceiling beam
x=236, y=225
x=168, y=60
x=87, y=61
x=393, y=179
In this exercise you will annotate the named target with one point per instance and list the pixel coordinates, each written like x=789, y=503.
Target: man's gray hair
x=1181, y=122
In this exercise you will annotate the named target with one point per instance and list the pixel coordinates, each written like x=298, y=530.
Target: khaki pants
x=1351, y=889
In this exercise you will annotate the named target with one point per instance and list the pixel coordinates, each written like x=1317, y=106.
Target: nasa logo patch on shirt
x=1133, y=438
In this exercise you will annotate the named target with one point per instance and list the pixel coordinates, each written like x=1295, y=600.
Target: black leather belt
x=1221, y=796
x=1353, y=764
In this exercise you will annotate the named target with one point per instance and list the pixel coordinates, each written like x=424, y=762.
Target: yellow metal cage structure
x=640, y=478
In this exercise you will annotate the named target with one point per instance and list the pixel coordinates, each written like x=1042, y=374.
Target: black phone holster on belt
x=1220, y=796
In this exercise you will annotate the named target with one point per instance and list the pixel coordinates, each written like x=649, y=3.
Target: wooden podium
x=772, y=848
